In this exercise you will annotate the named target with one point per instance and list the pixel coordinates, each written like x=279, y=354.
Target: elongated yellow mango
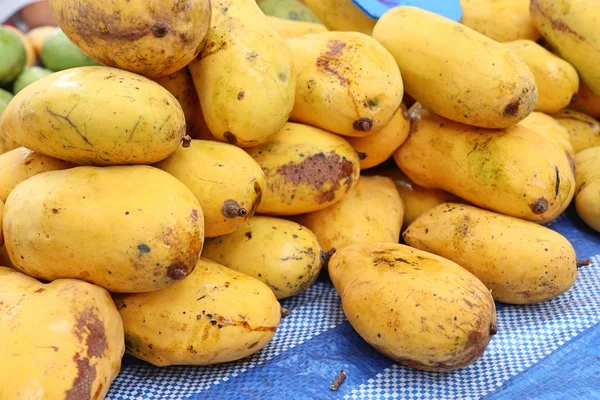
x=587, y=200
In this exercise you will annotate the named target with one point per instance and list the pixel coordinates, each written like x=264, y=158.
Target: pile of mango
x=216, y=156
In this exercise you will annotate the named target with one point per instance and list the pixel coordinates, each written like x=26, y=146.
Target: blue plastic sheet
x=376, y=8
x=548, y=351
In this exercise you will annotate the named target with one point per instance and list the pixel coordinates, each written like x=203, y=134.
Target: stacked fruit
x=163, y=201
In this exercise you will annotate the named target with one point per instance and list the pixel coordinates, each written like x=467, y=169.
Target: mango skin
x=584, y=131
x=513, y=171
x=414, y=307
x=227, y=182
x=556, y=80
x=1, y=216
x=341, y=15
x=501, y=20
x=371, y=212
x=215, y=315
x=306, y=169
x=457, y=72
x=61, y=340
x=571, y=28
x=521, y=262
x=94, y=224
x=287, y=28
x=347, y=83
x=586, y=101
x=378, y=147
x=20, y=164
x=587, y=199
x=244, y=75
x=152, y=38
x=283, y=254
x=96, y=115
x=6, y=142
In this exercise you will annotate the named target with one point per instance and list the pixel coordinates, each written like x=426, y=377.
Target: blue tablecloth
x=546, y=351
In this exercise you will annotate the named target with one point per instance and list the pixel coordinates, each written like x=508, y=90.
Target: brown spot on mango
x=230, y=137
x=160, y=29
x=329, y=62
x=177, y=271
x=82, y=385
x=89, y=323
x=363, y=124
x=539, y=206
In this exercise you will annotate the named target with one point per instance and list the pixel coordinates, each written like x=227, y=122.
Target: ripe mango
x=416, y=308
x=571, y=28
x=587, y=200
x=283, y=254
x=149, y=37
x=96, y=115
x=287, y=28
x=501, y=20
x=556, y=80
x=1, y=216
x=227, y=182
x=306, y=168
x=213, y=316
x=20, y=164
x=513, y=171
x=125, y=228
x=244, y=75
x=61, y=340
x=347, y=83
x=371, y=212
x=584, y=131
x=459, y=73
x=341, y=15
x=521, y=262
x=586, y=101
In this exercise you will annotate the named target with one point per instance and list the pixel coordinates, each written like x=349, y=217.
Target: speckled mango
x=459, y=73
x=306, y=169
x=244, y=75
x=20, y=164
x=215, y=315
x=521, y=262
x=347, y=83
x=149, y=37
x=124, y=228
x=96, y=115
x=227, y=182
x=587, y=200
x=284, y=255
x=378, y=147
x=341, y=15
x=513, y=171
x=556, y=80
x=586, y=101
x=289, y=28
x=501, y=20
x=584, y=131
x=371, y=212
x=61, y=340
x=414, y=307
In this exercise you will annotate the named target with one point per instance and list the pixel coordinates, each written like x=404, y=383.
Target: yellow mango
x=149, y=37
x=513, y=171
x=6, y=142
x=347, y=83
x=556, y=80
x=587, y=200
x=20, y=164
x=416, y=199
x=551, y=130
x=341, y=15
x=244, y=75
x=457, y=72
x=571, y=28
x=61, y=340
x=584, y=131
x=307, y=169
x=227, y=182
x=37, y=36
x=283, y=254
x=521, y=262
x=1, y=215
x=125, y=228
x=501, y=20
x=379, y=146
x=416, y=308
x=213, y=316
x=96, y=115
x=586, y=101
x=288, y=28
x=371, y=212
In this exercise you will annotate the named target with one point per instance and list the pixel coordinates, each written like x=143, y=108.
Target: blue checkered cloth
x=548, y=351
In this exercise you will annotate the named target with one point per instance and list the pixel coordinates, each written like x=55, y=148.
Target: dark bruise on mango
x=329, y=61
x=86, y=375
x=539, y=206
x=319, y=170
x=91, y=327
x=230, y=137
x=258, y=192
x=177, y=271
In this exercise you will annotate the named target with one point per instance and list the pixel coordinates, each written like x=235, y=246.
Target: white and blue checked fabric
x=548, y=351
